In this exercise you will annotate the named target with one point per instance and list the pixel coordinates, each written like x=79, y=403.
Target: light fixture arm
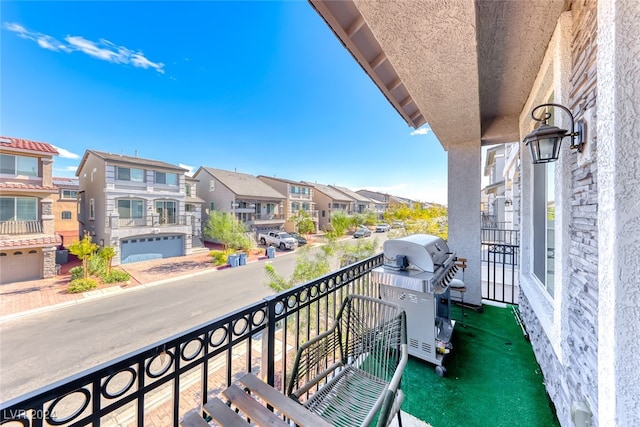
x=573, y=134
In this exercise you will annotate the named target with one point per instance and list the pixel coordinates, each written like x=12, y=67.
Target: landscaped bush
x=116, y=276
x=219, y=257
x=97, y=266
x=76, y=272
x=81, y=285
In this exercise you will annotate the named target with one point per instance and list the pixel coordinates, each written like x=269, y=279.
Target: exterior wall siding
x=573, y=377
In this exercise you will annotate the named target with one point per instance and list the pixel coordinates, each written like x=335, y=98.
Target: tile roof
x=27, y=145
x=65, y=181
x=244, y=185
x=352, y=194
x=27, y=187
x=30, y=241
x=121, y=158
x=330, y=192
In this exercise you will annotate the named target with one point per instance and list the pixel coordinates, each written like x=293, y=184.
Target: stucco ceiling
x=463, y=67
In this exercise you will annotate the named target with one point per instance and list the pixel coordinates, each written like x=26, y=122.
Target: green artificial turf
x=492, y=378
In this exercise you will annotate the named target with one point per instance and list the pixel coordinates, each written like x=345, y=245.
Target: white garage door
x=20, y=265
x=137, y=249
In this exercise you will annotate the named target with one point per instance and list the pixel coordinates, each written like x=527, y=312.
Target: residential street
x=40, y=349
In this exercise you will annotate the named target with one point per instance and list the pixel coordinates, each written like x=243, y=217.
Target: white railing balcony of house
x=21, y=227
x=148, y=221
x=266, y=217
x=313, y=214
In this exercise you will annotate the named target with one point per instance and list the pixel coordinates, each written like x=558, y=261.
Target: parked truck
x=278, y=238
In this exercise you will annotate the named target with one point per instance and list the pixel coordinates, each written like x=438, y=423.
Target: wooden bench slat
x=292, y=409
x=194, y=420
x=224, y=415
x=253, y=409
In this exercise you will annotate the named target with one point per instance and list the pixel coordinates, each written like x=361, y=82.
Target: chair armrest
x=393, y=388
x=315, y=361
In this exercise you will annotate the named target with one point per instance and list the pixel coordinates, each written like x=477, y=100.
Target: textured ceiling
x=464, y=67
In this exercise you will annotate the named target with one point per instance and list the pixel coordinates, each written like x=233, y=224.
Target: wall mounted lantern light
x=545, y=141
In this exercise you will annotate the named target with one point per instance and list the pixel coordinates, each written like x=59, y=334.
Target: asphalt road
x=40, y=349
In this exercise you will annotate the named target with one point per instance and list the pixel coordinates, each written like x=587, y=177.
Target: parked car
x=299, y=237
x=362, y=232
x=382, y=228
x=279, y=239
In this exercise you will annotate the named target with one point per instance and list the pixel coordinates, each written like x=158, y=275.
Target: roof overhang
x=464, y=67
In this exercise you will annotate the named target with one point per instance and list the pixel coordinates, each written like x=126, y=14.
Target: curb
x=121, y=290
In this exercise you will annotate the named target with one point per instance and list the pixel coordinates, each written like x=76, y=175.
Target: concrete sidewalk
x=22, y=298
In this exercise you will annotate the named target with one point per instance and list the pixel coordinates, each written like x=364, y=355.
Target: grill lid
x=420, y=251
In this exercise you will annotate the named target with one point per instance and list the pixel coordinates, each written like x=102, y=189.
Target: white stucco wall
x=464, y=185
x=618, y=213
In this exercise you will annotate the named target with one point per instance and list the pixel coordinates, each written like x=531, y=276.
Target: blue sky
x=257, y=87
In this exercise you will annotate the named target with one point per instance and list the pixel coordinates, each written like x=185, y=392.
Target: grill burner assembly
x=416, y=274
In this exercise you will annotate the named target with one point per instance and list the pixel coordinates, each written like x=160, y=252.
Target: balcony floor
x=492, y=377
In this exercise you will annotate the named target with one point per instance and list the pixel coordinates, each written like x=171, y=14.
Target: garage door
x=20, y=265
x=138, y=249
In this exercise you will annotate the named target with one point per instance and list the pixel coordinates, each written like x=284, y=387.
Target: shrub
x=116, y=276
x=76, y=273
x=97, y=266
x=81, y=285
x=219, y=257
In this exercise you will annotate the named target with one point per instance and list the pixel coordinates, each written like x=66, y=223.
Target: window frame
x=164, y=176
x=16, y=216
x=16, y=165
x=62, y=194
x=119, y=177
x=66, y=215
x=131, y=208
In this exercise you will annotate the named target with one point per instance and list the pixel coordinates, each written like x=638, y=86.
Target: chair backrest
x=371, y=333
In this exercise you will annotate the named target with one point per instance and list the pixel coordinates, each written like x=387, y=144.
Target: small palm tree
x=107, y=253
x=83, y=249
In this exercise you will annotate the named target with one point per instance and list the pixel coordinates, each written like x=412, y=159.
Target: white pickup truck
x=277, y=238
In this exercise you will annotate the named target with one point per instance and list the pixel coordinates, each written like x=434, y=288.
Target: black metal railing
x=500, y=251
x=159, y=384
x=21, y=227
x=147, y=221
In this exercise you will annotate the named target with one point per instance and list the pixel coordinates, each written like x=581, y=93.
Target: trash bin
x=62, y=256
x=242, y=259
x=233, y=260
x=271, y=252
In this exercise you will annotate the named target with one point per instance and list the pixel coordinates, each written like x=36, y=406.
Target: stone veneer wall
x=576, y=377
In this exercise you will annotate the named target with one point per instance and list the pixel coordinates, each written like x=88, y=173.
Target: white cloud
x=433, y=192
x=421, y=131
x=71, y=168
x=190, y=169
x=66, y=154
x=103, y=49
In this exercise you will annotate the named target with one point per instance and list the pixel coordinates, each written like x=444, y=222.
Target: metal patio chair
x=351, y=374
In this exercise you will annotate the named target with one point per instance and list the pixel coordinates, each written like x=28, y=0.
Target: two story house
x=361, y=204
x=494, y=209
x=193, y=206
x=299, y=198
x=65, y=210
x=328, y=200
x=135, y=205
x=380, y=201
x=27, y=236
x=256, y=204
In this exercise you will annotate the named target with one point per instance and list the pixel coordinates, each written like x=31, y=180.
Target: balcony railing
x=500, y=252
x=21, y=227
x=177, y=375
x=313, y=213
x=149, y=221
x=265, y=217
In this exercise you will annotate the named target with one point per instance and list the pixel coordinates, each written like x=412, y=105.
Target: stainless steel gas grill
x=416, y=274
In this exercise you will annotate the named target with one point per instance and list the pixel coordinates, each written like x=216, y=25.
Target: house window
x=212, y=206
x=166, y=178
x=65, y=215
x=544, y=225
x=130, y=208
x=295, y=206
x=167, y=210
x=271, y=208
x=18, y=165
x=130, y=174
x=92, y=209
x=69, y=194
x=187, y=189
x=212, y=185
x=18, y=208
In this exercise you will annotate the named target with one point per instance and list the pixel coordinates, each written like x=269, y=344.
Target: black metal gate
x=500, y=252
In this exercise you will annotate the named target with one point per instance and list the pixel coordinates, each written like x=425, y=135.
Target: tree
x=304, y=223
x=228, y=230
x=339, y=223
x=83, y=249
x=107, y=253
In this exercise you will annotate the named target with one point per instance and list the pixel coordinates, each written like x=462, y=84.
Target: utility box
x=62, y=256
